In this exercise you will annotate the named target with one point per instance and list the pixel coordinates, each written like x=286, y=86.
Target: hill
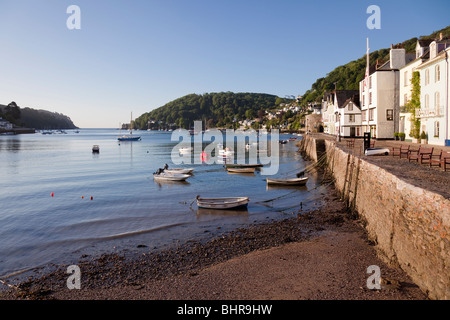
x=348, y=76
x=220, y=109
x=33, y=118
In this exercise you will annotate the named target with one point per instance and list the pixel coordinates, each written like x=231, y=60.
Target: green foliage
x=221, y=109
x=37, y=119
x=413, y=105
x=348, y=76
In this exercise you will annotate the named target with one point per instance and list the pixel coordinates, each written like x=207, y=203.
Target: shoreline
x=336, y=246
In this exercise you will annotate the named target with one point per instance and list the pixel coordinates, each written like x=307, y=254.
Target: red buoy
x=52, y=194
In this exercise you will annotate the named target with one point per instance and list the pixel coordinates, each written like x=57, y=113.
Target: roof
x=343, y=95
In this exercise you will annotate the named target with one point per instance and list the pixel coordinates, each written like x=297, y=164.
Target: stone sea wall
x=409, y=225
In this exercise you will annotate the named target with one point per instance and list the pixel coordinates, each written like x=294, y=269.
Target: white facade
x=434, y=95
x=379, y=97
x=349, y=120
x=379, y=104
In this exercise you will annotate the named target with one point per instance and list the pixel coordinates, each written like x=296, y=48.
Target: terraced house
x=434, y=93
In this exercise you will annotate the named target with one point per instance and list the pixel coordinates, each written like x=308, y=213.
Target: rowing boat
x=242, y=170
x=288, y=182
x=180, y=171
x=222, y=203
x=171, y=176
x=231, y=165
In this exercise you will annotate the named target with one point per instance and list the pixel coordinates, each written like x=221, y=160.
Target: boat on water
x=287, y=182
x=224, y=151
x=130, y=137
x=177, y=170
x=164, y=176
x=95, y=148
x=244, y=165
x=222, y=203
x=242, y=170
x=185, y=150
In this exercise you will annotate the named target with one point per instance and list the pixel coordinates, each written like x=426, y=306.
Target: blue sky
x=137, y=55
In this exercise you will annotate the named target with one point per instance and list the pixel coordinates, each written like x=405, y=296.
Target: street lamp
x=338, y=117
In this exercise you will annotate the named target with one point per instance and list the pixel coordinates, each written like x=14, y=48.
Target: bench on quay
x=443, y=160
x=424, y=153
x=399, y=151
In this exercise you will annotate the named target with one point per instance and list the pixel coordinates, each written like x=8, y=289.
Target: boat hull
x=179, y=171
x=242, y=170
x=287, y=182
x=129, y=138
x=170, y=177
x=231, y=165
x=223, y=203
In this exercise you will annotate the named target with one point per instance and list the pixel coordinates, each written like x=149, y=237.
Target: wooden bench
x=424, y=153
x=443, y=160
x=398, y=151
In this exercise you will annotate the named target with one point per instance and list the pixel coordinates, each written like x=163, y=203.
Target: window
x=371, y=113
x=427, y=77
x=427, y=103
x=436, y=129
x=364, y=115
x=390, y=114
x=405, y=79
x=370, y=82
x=351, y=118
x=437, y=73
x=370, y=97
x=364, y=100
x=350, y=106
x=436, y=102
x=405, y=99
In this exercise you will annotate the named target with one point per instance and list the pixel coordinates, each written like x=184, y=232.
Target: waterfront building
x=379, y=95
x=434, y=93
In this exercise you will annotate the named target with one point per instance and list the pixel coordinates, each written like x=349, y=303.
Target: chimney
x=397, y=58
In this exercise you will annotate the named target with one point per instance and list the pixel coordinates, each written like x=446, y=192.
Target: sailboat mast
x=131, y=124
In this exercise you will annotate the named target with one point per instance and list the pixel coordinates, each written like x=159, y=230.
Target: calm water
x=128, y=207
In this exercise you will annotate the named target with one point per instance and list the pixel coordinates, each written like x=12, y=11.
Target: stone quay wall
x=409, y=225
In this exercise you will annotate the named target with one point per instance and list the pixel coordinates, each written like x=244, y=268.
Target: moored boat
x=170, y=176
x=244, y=165
x=95, y=148
x=222, y=203
x=287, y=182
x=241, y=170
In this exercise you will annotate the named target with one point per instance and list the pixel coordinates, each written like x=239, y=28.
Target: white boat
x=176, y=170
x=170, y=176
x=222, y=203
x=287, y=182
x=224, y=152
x=376, y=151
x=185, y=150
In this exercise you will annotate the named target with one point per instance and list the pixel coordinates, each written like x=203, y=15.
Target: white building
x=406, y=72
x=434, y=93
x=347, y=113
x=379, y=97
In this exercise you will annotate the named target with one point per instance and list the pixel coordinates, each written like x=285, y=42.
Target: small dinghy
x=170, y=176
x=177, y=171
x=242, y=170
x=222, y=203
x=288, y=182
